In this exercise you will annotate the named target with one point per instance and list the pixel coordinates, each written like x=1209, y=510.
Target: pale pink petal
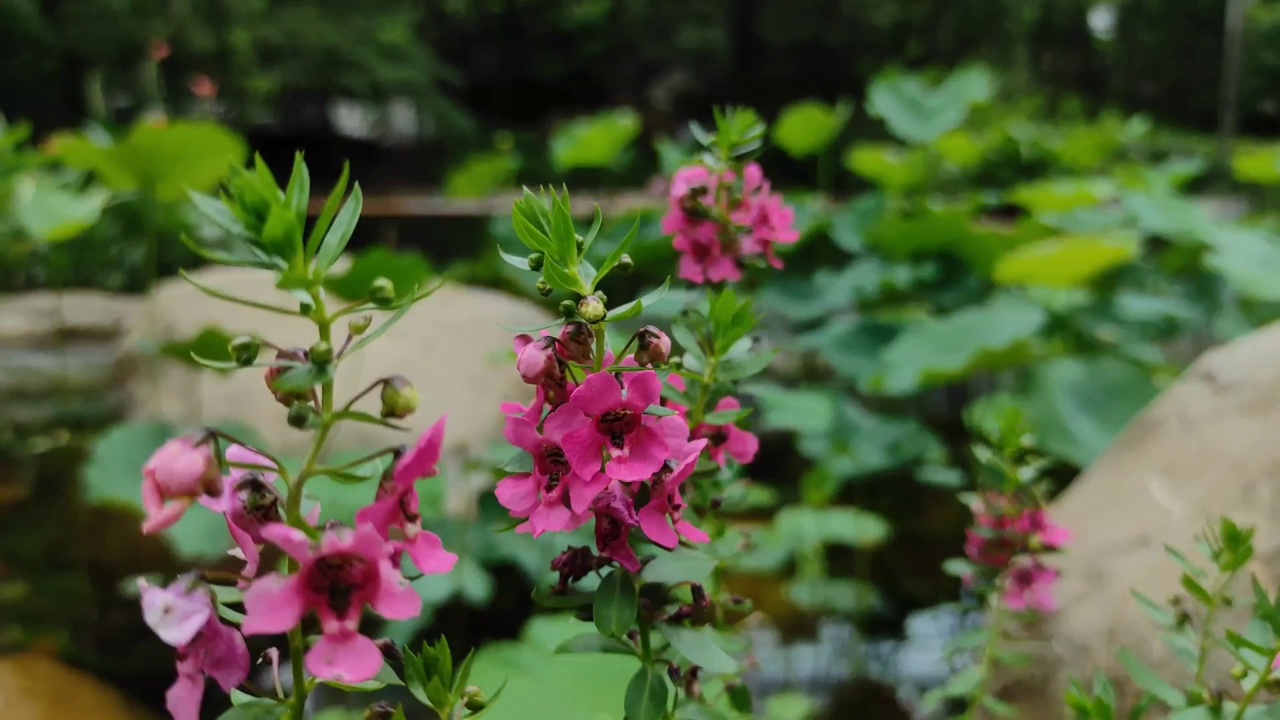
x=183, y=698
x=420, y=462
x=291, y=540
x=598, y=394
x=582, y=492
x=248, y=548
x=741, y=445
x=152, y=500
x=313, y=515
x=646, y=451
x=654, y=523
x=173, y=615
x=226, y=657
x=167, y=517
x=348, y=658
x=582, y=450
x=273, y=604
x=643, y=389
x=518, y=493
x=429, y=555
x=395, y=599
x=382, y=515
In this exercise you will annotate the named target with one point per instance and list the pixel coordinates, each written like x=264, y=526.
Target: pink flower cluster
x=717, y=224
x=341, y=569
x=1009, y=539
x=607, y=448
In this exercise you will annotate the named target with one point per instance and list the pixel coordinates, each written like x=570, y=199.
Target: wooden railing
x=429, y=204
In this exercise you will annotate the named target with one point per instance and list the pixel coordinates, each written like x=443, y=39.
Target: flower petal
x=273, y=604
x=168, y=516
x=522, y=433
x=643, y=389
x=654, y=523
x=518, y=493
x=561, y=421
x=582, y=492
x=348, y=658
x=690, y=532
x=646, y=451
x=291, y=540
x=582, y=450
x=597, y=395
x=226, y=657
x=420, y=462
x=183, y=698
x=429, y=555
x=175, y=616
x=394, y=598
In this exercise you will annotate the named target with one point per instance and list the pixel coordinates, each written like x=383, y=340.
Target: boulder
x=37, y=687
x=1205, y=448
x=451, y=346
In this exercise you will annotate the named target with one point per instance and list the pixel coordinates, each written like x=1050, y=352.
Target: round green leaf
x=616, y=604
x=807, y=127
x=700, y=646
x=47, y=210
x=892, y=167
x=917, y=112
x=1065, y=261
x=481, y=175
x=646, y=697
x=595, y=142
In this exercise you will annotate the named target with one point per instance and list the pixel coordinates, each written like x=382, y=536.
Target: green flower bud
x=568, y=308
x=473, y=699
x=591, y=308
x=399, y=397
x=580, y=241
x=535, y=262
x=1239, y=672
x=244, y=350
x=321, y=353
x=603, y=298
x=544, y=288
x=301, y=415
x=382, y=292
x=625, y=263
x=359, y=324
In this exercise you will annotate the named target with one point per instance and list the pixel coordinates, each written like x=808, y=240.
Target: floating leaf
x=1249, y=260
x=918, y=112
x=48, y=210
x=482, y=174
x=805, y=528
x=680, y=565
x=596, y=142
x=807, y=127
x=1065, y=261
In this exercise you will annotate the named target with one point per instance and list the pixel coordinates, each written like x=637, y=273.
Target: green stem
x=602, y=343
x=995, y=618
x=1206, y=627
x=1258, y=686
x=297, y=649
x=646, y=647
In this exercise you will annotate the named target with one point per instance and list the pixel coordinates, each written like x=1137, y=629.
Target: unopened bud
x=699, y=594
x=673, y=672
x=274, y=373
x=473, y=699
x=625, y=263
x=535, y=262
x=359, y=324
x=580, y=241
x=1239, y=672
x=653, y=347
x=591, y=308
x=244, y=350
x=301, y=415
x=568, y=308
x=1195, y=696
x=543, y=287
x=717, y=502
x=379, y=711
x=321, y=353
x=577, y=341
x=382, y=292
x=389, y=649
x=306, y=307
x=603, y=298
x=399, y=397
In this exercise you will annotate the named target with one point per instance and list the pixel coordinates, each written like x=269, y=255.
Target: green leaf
x=340, y=232
x=1078, y=406
x=635, y=307
x=563, y=279
x=564, y=237
x=808, y=127
x=917, y=112
x=1257, y=165
x=325, y=218
x=891, y=167
x=700, y=646
x=1248, y=259
x=735, y=369
x=482, y=174
x=791, y=705
x=677, y=566
x=1061, y=195
x=596, y=142
x=616, y=604
x=612, y=260
x=1065, y=261
x=805, y=528
x=800, y=410
x=845, y=596
x=382, y=327
x=1159, y=614
x=726, y=417
x=595, y=643
x=849, y=223
x=282, y=235
x=1145, y=678
x=256, y=709
x=302, y=378
x=298, y=193
x=49, y=211
x=406, y=270
x=646, y=695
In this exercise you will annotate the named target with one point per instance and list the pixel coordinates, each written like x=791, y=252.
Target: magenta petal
x=646, y=451
x=518, y=493
x=226, y=657
x=248, y=548
x=183, y=698
x=420, y=462
x=582, y=450
x=643, y=389
x=693, y=534
x=273, y=604
x=522, y=433
x=550, y=517
x=653, y=522
x=429, y=555
x=291, y=540
x=167, y=517
x=597, y=395
x=348, y=658
x=674, y=430
x=395, y=599
x=742, y=445
x=561, y=421
x=582, y=492
x=382, y=515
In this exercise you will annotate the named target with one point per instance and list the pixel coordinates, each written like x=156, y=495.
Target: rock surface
x=1204, y=448
x=36, y=687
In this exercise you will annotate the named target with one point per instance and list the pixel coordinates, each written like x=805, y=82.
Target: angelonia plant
x=1195, y=631
x=634, y=430
x=316, y=597
x=1005, y=565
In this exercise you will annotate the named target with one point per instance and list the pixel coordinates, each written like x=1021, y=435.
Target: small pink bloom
x=662, y=518
x=1029, y=586
x=249, y=501
x=203, y=87
x=395, y=506
x=183, y=616
x=705, y=257
x=653, y=347
x=173, y=478
x=728, y=440
x=346, y=571
x=768, y=219
x=536, y=359
x=615, y=422
x=554, y=497
x=615, y=517
x=158, y=50
x=1036, y=525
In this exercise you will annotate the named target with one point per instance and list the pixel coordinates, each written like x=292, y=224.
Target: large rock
x=452, y=346
x=1205, y=448
x=36, y=687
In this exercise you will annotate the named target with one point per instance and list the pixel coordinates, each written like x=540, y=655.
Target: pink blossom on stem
x=769, y=220
x=249, y=501
x=662, y=518
x=615, y=517
x=396, y=505
x=181, y=471
x=728, y=441
x=615, y=422
x=1036, y=526
x=577, y=342
x=203, y=86
x=183, y=616
x=555, y=496
x=536, y=359
x=347, y=570
x=1029, y=586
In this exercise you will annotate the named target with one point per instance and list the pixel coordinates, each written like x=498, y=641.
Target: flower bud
x=306, y=307
x=544, y=289
x=535, y=262
x=379, y=711
x=244, y=350
x=653, y=347
x=321, y=353
x=603, y=298
x=382, y=292
x=577, y=341
x=591, y=308
x=273, y=373
x=536, y=359
x=399, y=397
x=301, y=415
x=673, y=672
x=359, y=324
x=625, y=263
x=473, y=699
x=580, y=241
x=1239, y=672
x=390, y=650
x=178, y=473
x=568, y=308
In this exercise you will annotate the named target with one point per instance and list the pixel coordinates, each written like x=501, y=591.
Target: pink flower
x=615, y=422
x=705, y=257
x=728, y=440
x=769, y=220
x=653, y=347
x=540, y=495
x=1029, y=586
x=249, y=501
x=173, y=478
x=396, y=505
x=536, y=359
x=158, y=50
x=577, y=342
x=666, y=507
x=348, y=570
x=1036, y=526
x=183, y=616
x=615, y=517
x=203, y=86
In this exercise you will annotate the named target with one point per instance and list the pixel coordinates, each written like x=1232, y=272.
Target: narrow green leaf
x=366, y=418
x=339, y=234
x=377, y=332
x=1196, y=590
x=1146, y=678
x=327, y=213
x=595, y=643
x=515, y=261
x=298, y=194
x=614, y=257
x=646, y=696
x=219, y=295
x=633, y=308
x=563, y=235
x=590, y=237
x=734, y=369
x=701, y=646
x=616, y=604
x=216, y=212
x=571, y=599
x=726, y=417
x=464, y=673
x=1157, y=612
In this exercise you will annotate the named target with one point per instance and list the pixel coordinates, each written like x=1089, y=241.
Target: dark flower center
x=337, y=578
x=617, y=425
x=550, y=461
x=258, y=500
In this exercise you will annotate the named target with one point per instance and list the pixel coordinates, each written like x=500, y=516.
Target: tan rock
x=37, y=687
x=1204, y=448
x=451, y=346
